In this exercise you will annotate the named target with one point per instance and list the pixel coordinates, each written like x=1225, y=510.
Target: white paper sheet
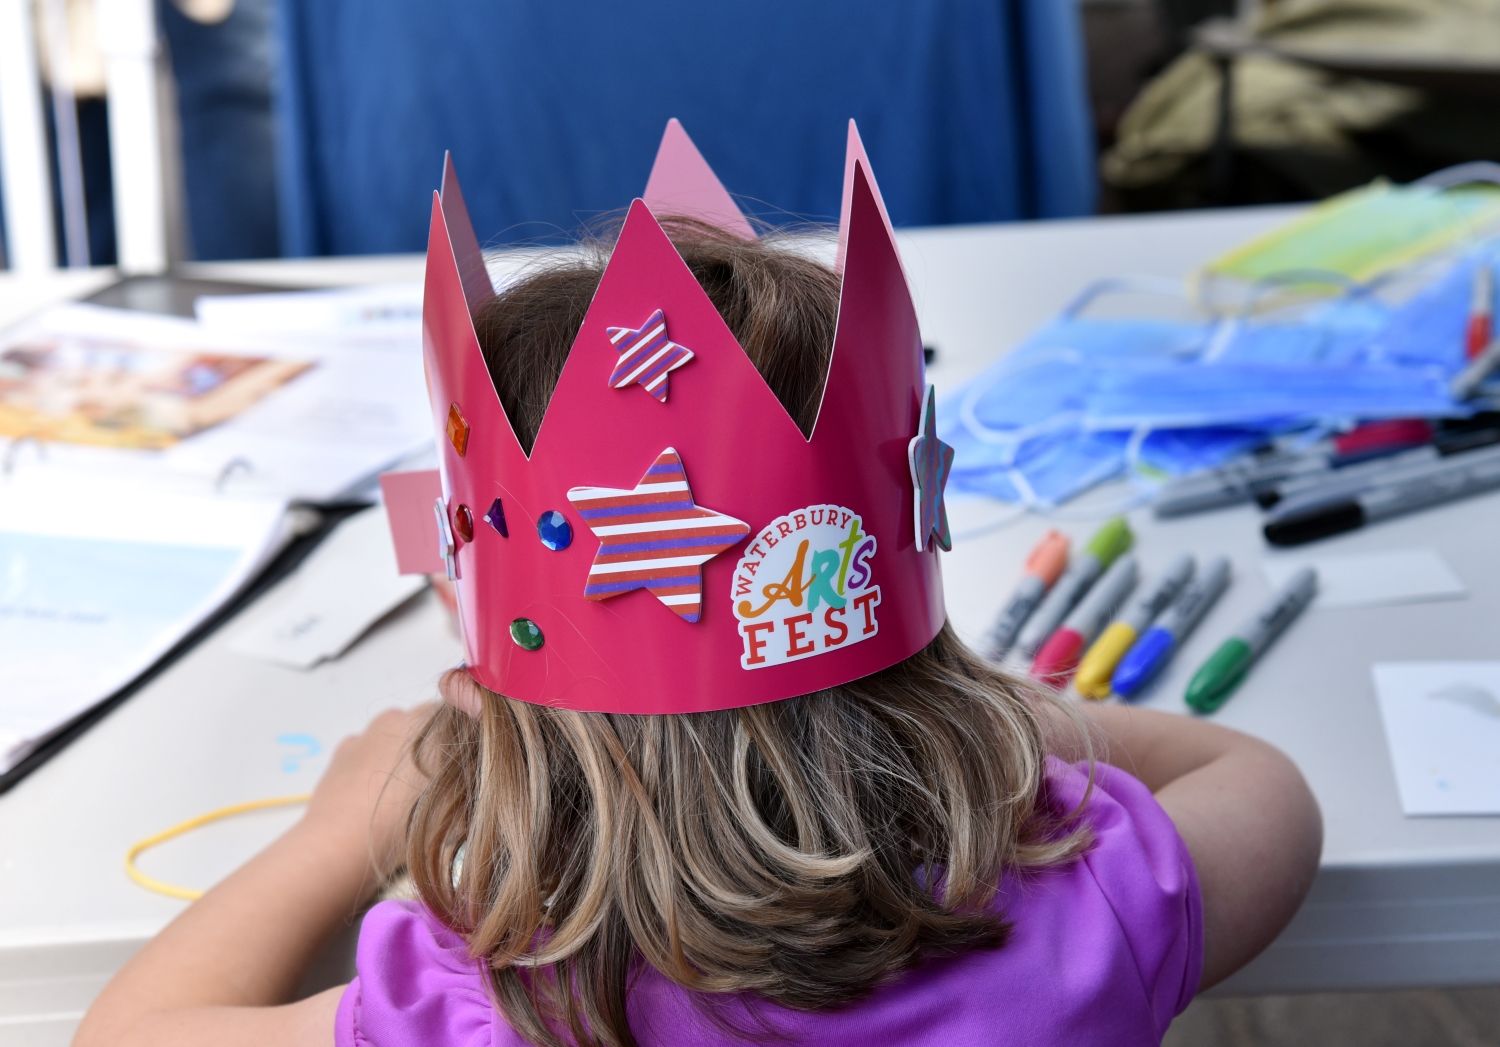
x=1367, y=579
x=347, y=584
x=1442, y=724
x=384, y=312
x=99, y=579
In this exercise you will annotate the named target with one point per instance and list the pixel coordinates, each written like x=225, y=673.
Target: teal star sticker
x=931, y=461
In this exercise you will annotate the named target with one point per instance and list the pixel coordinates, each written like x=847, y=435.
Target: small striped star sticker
x=647, y=356
x=653, y=537
x=930, y=460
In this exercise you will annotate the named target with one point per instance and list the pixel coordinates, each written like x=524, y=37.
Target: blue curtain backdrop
x=971, y=110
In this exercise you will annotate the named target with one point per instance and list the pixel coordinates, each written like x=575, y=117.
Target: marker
x=1353, y=478
x=1466, y=383
x=1481, y=312
x=1094, y=671
x=1308, y=519
x=1058, y=657
x=1155, y=649
x=1103, y=549
x=1253, y=476
x=1043, y=566
x=1217, y=678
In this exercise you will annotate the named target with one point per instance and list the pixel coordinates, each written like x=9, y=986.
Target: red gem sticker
x=463, y=523
x=805, y=587
x=458, y=430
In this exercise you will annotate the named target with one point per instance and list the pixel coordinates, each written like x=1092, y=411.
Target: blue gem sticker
x=495, y=517
x=554, y=530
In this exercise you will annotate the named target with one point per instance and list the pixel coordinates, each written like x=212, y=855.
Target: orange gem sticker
x=458, y=430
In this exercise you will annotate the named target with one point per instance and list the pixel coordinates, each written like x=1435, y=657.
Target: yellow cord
x=187, y=893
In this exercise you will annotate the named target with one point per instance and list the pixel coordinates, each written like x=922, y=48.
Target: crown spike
x=855, y=155
x=682, y=183
x=476, y=278
x=875, y=308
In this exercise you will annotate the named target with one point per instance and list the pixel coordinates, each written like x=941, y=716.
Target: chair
x=974, y=110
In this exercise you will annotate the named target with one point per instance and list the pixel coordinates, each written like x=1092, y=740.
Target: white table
x=1398, y=902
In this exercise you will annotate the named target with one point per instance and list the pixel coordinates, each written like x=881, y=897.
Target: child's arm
x=1248, y=819
x=223, y=971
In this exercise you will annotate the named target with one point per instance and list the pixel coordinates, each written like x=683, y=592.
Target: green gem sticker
x=527, y=634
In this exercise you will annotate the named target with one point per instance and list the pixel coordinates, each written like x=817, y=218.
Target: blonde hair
x=807, y=850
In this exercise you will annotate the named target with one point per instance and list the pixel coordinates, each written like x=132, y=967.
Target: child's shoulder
x=417, y=983
x=1106, y=949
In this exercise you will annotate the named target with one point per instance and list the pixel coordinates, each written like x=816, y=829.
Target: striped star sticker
x=931, y=461
x=653, y=537
x=647, y=356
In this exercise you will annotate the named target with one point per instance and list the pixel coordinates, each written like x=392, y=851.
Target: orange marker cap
x=1049, y=558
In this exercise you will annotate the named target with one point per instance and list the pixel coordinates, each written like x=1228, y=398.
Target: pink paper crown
x=674, y=543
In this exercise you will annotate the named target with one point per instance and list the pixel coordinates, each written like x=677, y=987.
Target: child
x=929, y=851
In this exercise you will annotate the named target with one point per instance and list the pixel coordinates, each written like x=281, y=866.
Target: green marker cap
x=1110, y=540
x=1217, y=678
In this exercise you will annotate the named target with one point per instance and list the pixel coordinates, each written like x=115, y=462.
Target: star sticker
x=647, y=356
x=931, y=461
x=653, y=537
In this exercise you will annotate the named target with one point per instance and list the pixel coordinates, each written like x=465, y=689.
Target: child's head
x=804, y=850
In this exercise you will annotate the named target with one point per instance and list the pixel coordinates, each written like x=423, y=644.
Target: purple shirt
x=1105, y=950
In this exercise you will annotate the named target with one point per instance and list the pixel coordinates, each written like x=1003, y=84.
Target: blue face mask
x=1085, y=400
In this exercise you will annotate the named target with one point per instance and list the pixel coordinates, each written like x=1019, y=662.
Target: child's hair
x=806, y=850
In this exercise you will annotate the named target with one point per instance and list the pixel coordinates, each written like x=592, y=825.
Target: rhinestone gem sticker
x=463, y=523
x=527, y=634
x=554, y=530
x=805, y=587
x=458, y=430
x=495, y=517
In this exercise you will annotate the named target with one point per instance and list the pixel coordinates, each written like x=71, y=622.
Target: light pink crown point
x=682, y=183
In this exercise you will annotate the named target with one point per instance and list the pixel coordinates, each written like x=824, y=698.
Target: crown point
x=682, y=183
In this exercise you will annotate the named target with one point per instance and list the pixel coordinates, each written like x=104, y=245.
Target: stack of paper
x=99, y=579
x=296, y=414
x=147, y=465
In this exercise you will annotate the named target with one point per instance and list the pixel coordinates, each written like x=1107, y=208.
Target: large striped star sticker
x=653, y=537
x=930, y=460
x=647, y=356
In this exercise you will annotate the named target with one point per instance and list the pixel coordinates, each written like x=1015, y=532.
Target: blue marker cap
x=1141, y=662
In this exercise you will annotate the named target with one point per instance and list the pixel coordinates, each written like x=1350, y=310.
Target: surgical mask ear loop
x=1011, y=439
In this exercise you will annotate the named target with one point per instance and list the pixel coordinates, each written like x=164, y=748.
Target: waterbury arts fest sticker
x=805, y=587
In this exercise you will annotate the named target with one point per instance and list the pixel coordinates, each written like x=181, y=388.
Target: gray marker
x=1235, y=482
x=1349, y=478
x=1216, y=680
x=1155, y=648
x=1184, y=615
x=1095, y=610
x=1441, y=481
x=1467, y=382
